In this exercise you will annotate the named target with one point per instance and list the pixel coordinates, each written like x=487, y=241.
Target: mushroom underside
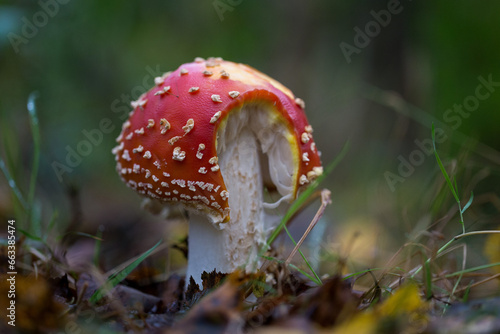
x=254, y=148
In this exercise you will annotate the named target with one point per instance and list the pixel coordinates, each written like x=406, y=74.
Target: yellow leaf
x=492, y=250
x=406, y=300
x=404, y=310
x=363, y=323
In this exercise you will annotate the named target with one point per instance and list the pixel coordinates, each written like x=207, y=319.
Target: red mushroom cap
x=168, y=148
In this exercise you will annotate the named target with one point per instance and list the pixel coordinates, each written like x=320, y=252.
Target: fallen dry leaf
x=172, y=295
x=329, y=304
x=35, y=308
x=217, y=312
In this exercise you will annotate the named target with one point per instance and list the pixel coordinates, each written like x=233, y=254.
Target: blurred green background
x=380, y=89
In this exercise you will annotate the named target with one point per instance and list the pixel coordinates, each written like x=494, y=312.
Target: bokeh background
x=377, y=84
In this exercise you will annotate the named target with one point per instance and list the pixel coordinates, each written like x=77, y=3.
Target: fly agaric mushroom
x=201, y=138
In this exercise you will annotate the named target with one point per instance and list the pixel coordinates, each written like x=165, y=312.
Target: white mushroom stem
x=242, y=141
x=206, y=251
x=237, y=243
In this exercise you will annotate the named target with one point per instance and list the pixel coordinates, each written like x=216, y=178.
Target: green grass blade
x=443, y=170
x=97, y=247
x=36, y=238
x=362, y=272
x=470, y=270
x=455, y=185
x=469, y=202
x=82, y=234
x=51, y=224
x=428, y=279
x=35, y=218
x=120, y=275
x=465, y=298
x=317, y=280
x=270, y=258
x=13, y=185
x=304, y=273
x=30, y=236
x=304, y=196
x=35, y=132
